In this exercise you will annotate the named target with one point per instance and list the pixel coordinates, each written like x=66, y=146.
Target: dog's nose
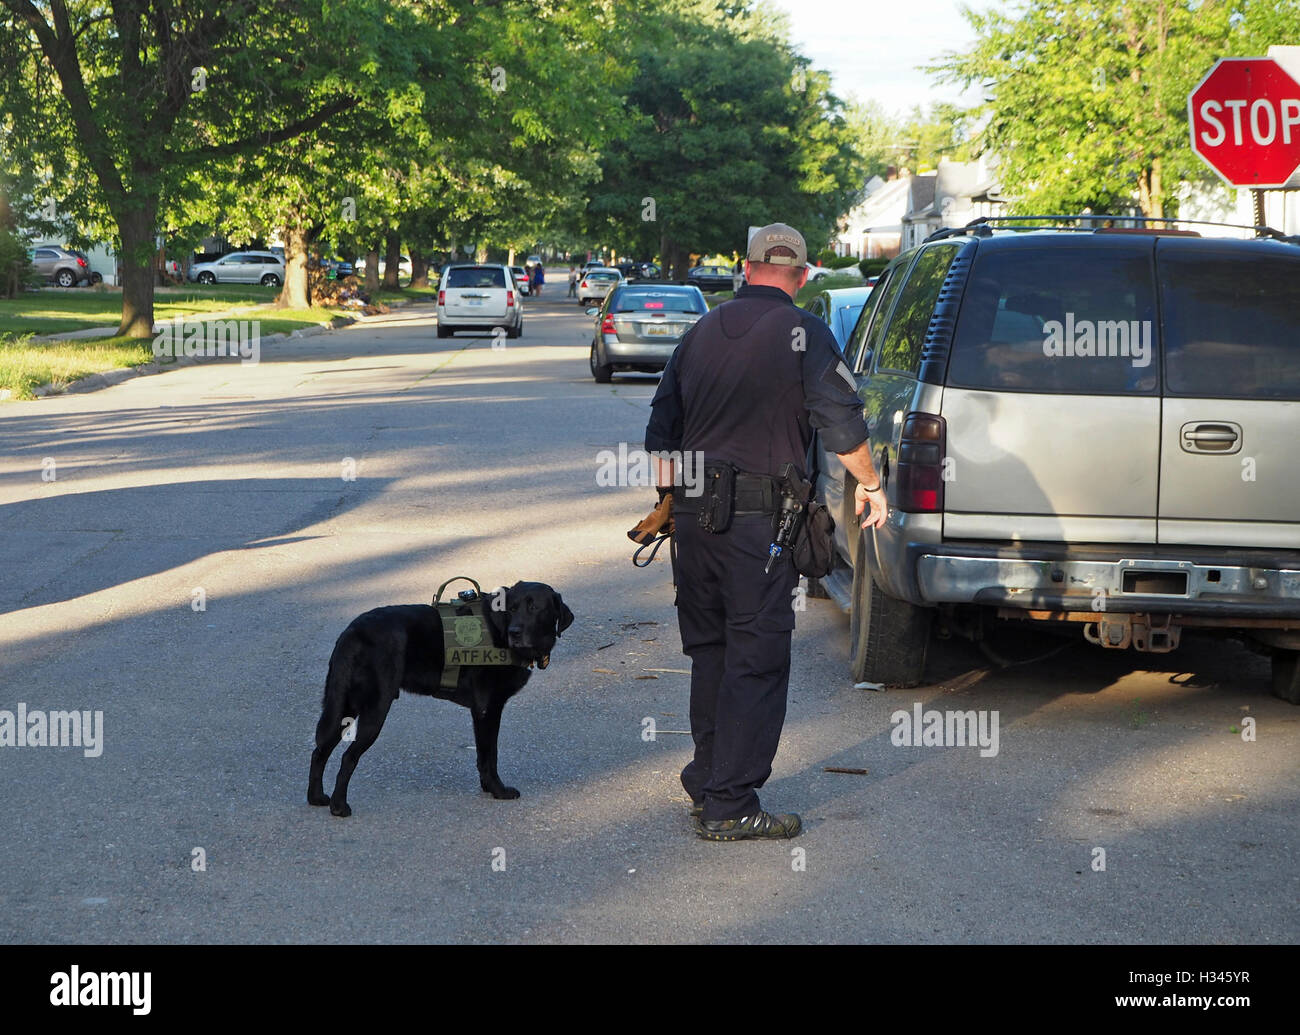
x=516, y=630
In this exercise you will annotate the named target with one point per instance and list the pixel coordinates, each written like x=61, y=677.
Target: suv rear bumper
x=1246, y=584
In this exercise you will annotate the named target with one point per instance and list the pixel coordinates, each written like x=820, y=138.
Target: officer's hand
x=879, y=506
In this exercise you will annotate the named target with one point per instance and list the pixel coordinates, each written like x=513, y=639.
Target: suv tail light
x=918, y=477
x=608, y=326
x=584, y=281
x=510, y=298
x=442, y=298
x=81, y=261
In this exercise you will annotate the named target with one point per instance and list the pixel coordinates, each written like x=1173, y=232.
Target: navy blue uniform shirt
x=750, y=381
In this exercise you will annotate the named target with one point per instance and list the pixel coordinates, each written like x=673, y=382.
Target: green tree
x=1086, y=100
x=727, y=127
x=119, y=102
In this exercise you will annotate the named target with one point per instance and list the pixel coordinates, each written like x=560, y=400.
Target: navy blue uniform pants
x=735, y=623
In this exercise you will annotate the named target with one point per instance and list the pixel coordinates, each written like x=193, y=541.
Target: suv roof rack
x=984, y=225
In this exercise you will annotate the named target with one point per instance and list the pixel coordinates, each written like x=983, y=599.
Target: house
x=873, y=228
x=952, y=195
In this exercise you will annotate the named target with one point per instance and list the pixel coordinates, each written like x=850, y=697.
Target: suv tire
x=888, y=638
x=65, y=278
x=1286, y=675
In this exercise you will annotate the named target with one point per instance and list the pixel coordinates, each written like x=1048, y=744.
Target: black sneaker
x=697, y=809
x=759, y=826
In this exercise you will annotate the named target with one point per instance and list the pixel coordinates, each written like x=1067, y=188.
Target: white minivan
x=478, y=297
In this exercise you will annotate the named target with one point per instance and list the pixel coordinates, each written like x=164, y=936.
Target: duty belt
x=466, y=635
x=755, y=494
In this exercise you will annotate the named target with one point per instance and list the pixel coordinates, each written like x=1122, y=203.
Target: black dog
x=401, y=648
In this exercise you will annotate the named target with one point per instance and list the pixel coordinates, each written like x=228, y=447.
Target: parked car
x=816, y=273
x=839, y=308
x=1077, y=426
x=639, y=326
x=531, y=261
x=403, y=267
x=240, y=268
x=521, y=280
x=337, y=268
x=61, y=266
x=95, y=276
x=638, y=270
x=710, y=278
x=596, y=283
x=478, y=297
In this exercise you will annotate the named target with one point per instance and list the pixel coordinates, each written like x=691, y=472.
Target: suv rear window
x=1073, y=320
x=476, y=277
x=1232, y=325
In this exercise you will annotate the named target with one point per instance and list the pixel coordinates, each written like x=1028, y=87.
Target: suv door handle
x=1211, y=437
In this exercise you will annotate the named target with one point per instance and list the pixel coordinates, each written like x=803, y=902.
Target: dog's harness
x=466, y=636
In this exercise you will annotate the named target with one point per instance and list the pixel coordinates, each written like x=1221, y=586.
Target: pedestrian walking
x=742, y=394
x=573, y=281
x=539, y=278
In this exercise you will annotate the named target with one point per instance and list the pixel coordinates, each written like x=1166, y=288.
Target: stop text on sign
x=1262, y=122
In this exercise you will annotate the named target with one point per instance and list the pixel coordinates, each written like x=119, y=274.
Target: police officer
x=746, y=386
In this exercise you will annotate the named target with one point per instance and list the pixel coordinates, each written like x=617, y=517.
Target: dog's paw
x=505, y=793
x=341, y=809
x=317, y=798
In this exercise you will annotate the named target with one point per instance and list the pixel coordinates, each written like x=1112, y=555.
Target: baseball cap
x=777, y=235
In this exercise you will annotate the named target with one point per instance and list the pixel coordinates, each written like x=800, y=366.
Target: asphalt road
x=481, y=461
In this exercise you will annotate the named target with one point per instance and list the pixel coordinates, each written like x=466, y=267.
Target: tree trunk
x=392, y=258
x=419, y=269
x=137, y=258
x=295, y=293
x=372, y=271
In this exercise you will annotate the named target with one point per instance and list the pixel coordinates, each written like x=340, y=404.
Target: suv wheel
x=207, y=277
x=602, y=373
x=65, y=278
x=444, y=332
x=270, y=280
x=888, y=638
x=1286, y=675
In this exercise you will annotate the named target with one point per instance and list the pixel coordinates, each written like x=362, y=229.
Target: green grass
x=53, y=312
x=25, y=365
x=421, y=294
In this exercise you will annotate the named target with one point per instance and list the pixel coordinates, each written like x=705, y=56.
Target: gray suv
x=1077, y=426
x=60, y=266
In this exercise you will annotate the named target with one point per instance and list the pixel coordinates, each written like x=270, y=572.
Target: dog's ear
x=566, y=616
x=498, y=613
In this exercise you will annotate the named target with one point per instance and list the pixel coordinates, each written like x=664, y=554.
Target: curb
x=108, y=378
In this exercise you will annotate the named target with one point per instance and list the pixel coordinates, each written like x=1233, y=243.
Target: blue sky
x=872, y=48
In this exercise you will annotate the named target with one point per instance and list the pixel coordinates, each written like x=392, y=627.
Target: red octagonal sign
x=1245, y=119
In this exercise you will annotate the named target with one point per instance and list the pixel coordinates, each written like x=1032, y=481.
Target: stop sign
x=1245, y=121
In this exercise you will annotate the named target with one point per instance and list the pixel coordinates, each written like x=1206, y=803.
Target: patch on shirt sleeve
x=842, y=369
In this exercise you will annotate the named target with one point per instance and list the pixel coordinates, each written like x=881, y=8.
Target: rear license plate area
x=1154, y=583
